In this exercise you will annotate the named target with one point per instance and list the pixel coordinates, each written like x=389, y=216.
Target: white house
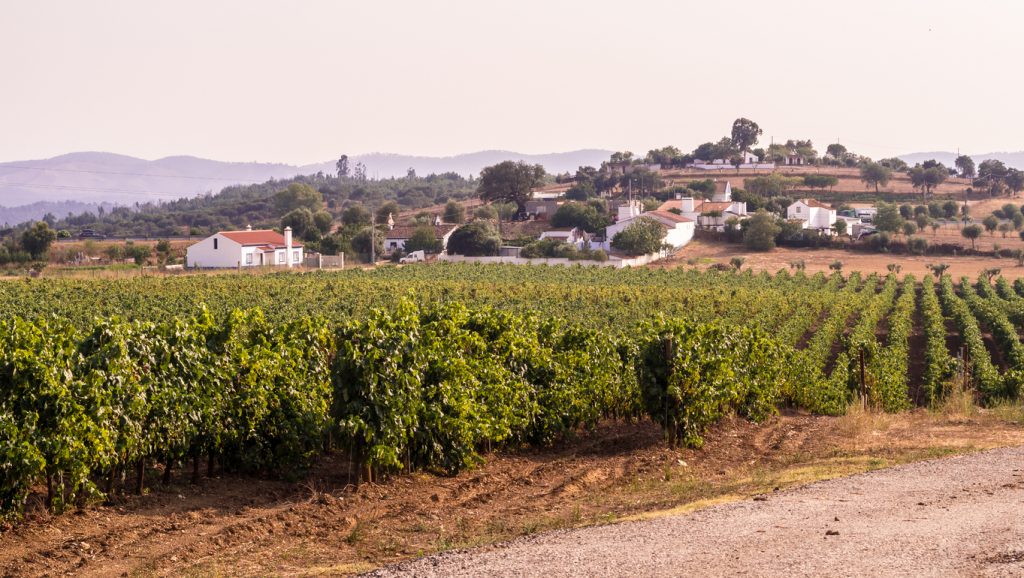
x=678, y=229
x=394, y=240
x=575, y=236
x=709, y=214
x=246, y=248
x=813, y=213
x=749, y=161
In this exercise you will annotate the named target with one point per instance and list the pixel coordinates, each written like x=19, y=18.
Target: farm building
x=709, y=214
x=678, y=229
x=248, y=248
x=575, y=236
x=813, y=213
x=394, y=240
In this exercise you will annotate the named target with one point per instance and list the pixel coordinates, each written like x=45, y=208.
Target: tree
x=966, y=166
x=510, y=182
x=485, y=212
x=302, y=224
x=759, y=231
x=921, y=220
x=424, y=238
x=745, y=133
x=476, y=239
x=342, y=166
x=991, y=223
x=323, y=221
x=894, y=164
x=888, y=218
x=1005, y=228
x=297, y=196
x=388, y=209
x=768, y=186
x=816, y=181
x=36, y=240
x=641, y=237
x=971, y=232
x=582, y=215
x=361, y=243
x=992, y=174
x=360, y=174
x=840, y=227
x=950, y=209
x=909, y=228
x=836, y=151
x=875, y=174
x=356, y=215
x=1014, y=180
x=454, y=213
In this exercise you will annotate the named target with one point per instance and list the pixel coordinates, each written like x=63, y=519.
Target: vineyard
x=104, y=384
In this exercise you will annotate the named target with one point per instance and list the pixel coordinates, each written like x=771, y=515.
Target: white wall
x=202, y=254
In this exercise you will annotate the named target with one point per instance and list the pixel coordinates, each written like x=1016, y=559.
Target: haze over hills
x=79, y=182
x=29, y=189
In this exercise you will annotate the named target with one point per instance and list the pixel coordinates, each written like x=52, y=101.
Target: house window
x=295, y=256
x=215, y=243
x=280, y=257
x=248, y=259
x=798, y=209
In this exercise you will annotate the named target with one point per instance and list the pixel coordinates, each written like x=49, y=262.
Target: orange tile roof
x=668, y=216
x=258, y=237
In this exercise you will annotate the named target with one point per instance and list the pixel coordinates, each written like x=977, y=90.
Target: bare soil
x=322, y=526
x=703, y=254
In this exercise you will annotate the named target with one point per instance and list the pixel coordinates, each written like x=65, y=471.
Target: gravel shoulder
x=957, y=516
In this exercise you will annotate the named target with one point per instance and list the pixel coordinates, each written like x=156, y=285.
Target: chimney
x=288, y=246
x=248, y=227
x=686, y=204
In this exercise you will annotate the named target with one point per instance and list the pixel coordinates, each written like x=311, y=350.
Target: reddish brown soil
x=242, y=526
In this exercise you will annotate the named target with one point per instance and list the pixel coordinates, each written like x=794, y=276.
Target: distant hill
x=39, y=209
x=1014, y=160
x=95, y=177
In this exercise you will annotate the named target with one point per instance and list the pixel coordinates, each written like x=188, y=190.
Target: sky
x=304, y=81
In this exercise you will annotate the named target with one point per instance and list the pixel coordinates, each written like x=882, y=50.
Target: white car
x=414, y=257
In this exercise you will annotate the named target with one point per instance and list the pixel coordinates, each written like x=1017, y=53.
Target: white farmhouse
x=813, y=213
x=246, y=248
x=575, y=236
x=709, y=214
x=678, y=229
x=395, y=239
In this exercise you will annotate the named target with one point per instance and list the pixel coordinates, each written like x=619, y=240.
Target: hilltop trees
x=875, y=174
x=342, y=166
x=971, y=232
x=927, y=176
x=510, y=182
x=745, y=133
x=965, y=165
x=297, y=196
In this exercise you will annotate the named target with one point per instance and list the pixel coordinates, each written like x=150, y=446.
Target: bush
x=641, y=237
x=475, y=239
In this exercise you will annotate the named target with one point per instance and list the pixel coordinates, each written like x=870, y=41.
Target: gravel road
x=961, y=516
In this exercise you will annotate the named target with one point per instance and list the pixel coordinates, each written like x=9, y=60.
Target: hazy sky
x=304, y=81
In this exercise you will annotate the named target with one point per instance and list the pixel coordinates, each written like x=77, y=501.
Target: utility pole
x=373, y=236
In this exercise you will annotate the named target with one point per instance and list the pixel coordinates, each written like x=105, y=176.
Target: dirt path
x=954, y=516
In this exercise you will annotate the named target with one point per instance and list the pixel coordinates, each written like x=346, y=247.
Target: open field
x=704, y=253
x=849, y=181
x=322, y=526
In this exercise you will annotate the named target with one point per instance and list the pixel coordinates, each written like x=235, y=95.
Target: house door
x=261, y=259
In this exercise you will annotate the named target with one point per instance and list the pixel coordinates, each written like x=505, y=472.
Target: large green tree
x=965, y=165
x=424, y=238
x=745, y=133
x=510, y=182
x=876, y=175
x=641, y=237
x=297, y=196
x=36, y=240
x=454, y=213
x=582, y=215
x=476, y=239
x=759, y=231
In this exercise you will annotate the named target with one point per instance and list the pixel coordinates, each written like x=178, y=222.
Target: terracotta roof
x=721, y=207
x=406, y=232
x=665, y=215
x=258, y=237
x=815, y=203
x=720, y=186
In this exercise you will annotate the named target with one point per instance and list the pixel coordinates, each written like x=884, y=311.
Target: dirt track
x=955, y=516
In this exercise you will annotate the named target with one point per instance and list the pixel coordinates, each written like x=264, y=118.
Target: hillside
x=93, y=177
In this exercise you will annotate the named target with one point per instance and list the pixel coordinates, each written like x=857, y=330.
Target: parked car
x=414, y=257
